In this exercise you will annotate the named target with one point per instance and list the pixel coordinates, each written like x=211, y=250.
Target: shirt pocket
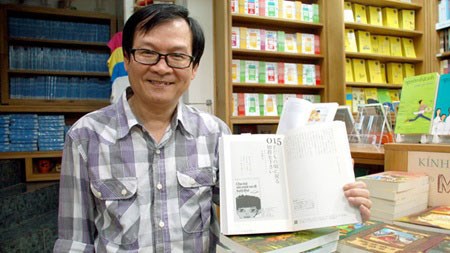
x=117, y=204
x=195, y=198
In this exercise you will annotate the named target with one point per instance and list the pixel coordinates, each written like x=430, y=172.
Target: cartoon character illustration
x=248, y=206
x=421, y=111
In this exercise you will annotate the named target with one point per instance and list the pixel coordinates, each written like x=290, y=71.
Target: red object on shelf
x=144, y=2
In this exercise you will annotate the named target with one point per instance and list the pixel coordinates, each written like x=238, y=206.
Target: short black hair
x=243, y=201
x=145, y=19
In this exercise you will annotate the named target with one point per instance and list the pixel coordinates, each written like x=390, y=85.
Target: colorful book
x=441, y=119
x=300, y=241
x=434, y=219
x=396, y=181
x=389, y=238
x=417, y=101
x=348, y=230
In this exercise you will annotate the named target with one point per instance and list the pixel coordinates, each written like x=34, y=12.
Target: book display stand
x=373, y=126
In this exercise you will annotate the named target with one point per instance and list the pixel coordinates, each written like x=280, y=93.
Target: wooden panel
x=396, y=154
x=367, y=154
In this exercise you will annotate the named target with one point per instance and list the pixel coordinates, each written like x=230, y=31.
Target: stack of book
x=435, y=219
x=395, y=194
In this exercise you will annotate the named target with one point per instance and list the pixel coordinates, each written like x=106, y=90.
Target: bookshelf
x=66, y=76
x=225, y=23
x=341, y=23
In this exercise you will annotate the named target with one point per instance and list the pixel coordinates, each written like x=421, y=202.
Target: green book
x=417, y=102
x=298, y=241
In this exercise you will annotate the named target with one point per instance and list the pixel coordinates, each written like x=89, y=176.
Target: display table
x=367, y=154
x=396, y=154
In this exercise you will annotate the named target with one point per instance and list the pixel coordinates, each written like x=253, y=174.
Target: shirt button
x=99, y=194
x=124, y=192
x=158, y=151
x=161, y=224
x=159, y=186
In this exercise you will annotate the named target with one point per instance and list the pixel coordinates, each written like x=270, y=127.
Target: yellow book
x=374, y=41
x=348, y=96
x=407, y=19
x=359, y=70
x=350, y=41
x=375, y=15
x=395, y=95
x=394, y=73
x=383, y=72
x=348, y=70
x=280, y=8
x=390, y=17
x=243, y=37
x=396, y=46
x=408, y=48
x=357, y=98
x=363, y=41
x=298, y=10
x=374, y=71
x=409, y=70
x=348, y=12
x=299, y=73
x=242, y=6
x=359, y=11
x=288, y=9
x=370, y=95
x=384, y=45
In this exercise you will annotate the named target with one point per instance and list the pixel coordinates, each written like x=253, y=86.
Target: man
x=141, y=175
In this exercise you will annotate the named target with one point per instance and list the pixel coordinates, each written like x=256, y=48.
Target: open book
x=286, y=182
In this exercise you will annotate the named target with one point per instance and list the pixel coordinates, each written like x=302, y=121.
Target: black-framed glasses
x=150, y=57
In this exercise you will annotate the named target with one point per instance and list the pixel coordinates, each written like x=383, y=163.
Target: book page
x=319, y=163
x=253, y=182
x=296, y=112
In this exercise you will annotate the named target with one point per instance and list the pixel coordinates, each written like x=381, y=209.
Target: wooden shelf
x=375, y=85
x=383, y=30
x=254, y=120
x=269, y=21
x=70, y=108
x=383, y=58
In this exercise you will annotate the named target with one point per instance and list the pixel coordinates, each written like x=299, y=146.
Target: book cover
x=375, y=15
x=359, y=11
x=409, y=69
x=394, y=73
x=363, y=40
x=286, y=182
x=299, y=241
x=441, y=246
x=390, y=17
x=389, y=238
x=384, y=45
x=357, y=98
x=370, y=95
x=435, y=219
x=441, y=121
x=347, y=230
x=374, y=71
x=407, y=19
x=359, y=70
x=408, y=48
x=323, y=112
x=375, y=42
x=395, y=46
x=348, y=12
x=417, y=102
x=394, y=180
x=350, y=41
x=348, y=70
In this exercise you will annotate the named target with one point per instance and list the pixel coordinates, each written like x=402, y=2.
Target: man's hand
x=358, y=195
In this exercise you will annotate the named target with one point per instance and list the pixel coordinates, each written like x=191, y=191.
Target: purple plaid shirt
x=122, y=192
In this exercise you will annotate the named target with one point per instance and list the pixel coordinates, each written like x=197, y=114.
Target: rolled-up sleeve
x=76, y=229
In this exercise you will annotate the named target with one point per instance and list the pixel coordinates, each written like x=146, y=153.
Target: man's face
x=247, y=212
x=160, y=85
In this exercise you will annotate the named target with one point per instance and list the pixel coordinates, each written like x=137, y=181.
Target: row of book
x=364, y=42
x=444, y=38
x=30, y=132
x=277, y=41
x=59, y=88
x=244, y=71
x=443, y=11
x=37, y=28
x=374, y=71
x=45, y=58
x=294, y=10
x=380, y=16
x=356, y=96
x=255, y=104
